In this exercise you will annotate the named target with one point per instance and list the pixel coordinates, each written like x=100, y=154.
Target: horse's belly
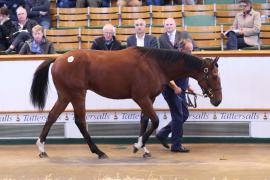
x=109, y=90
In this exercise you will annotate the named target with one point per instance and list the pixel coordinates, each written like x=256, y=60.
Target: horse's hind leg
x=57, y=109
x=79, y=113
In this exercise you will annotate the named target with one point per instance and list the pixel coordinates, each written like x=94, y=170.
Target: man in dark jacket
x=173, y=93
x=107, y=41
x=39, y=10
x=140, y=38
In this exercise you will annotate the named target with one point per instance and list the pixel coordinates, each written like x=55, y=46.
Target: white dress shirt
x=140, y=41
x=172, y=36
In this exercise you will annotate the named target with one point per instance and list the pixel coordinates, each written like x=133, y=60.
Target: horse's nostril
x=216, y=102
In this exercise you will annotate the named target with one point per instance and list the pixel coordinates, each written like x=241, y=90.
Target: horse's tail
x=39, y=87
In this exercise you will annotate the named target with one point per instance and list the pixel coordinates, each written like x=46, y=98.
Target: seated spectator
x=38, y=44
x=155, y=2
x=129, y=3
x=172, y=36
x=246, y=28
x=12, y=6
x=39, y=10
x=173, y=2
x=105, y=3
x=140, y=38
x=88, y=3
x=24, y=31
x=66, y=3
x=7, y=28
x=108, y=40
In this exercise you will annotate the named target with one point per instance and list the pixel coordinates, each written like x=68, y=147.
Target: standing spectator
x=39, y=10
x=7, y=28
x=108, y=40
x=38, y=44
x=246, y=28
x=66, y=3
x=140, y=38
x=179, y=112
x=24, y=30
x=12, y=6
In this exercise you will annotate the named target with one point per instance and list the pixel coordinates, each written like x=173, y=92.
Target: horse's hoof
x=147, y=155
x=135, y=149
x=43, y=155
x=103, y=156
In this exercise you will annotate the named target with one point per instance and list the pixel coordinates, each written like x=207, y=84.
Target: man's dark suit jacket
x=165, y=42
x=149, y=41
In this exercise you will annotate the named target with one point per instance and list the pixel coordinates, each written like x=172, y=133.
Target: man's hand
x=177, y=90
x=43, y=13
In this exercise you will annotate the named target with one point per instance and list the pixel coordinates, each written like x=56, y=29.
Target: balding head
x=169, y=25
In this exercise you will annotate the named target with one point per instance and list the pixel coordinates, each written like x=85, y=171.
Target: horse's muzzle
x=215, y=102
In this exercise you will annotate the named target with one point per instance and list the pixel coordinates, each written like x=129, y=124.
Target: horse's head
x=209, y=81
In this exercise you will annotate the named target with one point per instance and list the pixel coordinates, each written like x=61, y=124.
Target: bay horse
x=137, y=73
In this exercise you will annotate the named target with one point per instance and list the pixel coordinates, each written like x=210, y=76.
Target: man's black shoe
x=180, y=150
x=8, y=51
x=163, y=142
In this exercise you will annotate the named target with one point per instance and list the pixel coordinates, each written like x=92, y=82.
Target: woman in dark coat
x=7, y=28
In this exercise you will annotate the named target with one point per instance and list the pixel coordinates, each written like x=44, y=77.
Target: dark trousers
x=235, y=41
x=179, y=114
x=20, y=39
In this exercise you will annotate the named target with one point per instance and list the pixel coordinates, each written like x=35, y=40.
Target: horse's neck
x=176, y=70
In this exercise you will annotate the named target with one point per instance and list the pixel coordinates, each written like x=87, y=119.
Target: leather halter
x=210, y=91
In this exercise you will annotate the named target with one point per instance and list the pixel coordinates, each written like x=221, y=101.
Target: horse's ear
x=216, y=60
x=214, y=63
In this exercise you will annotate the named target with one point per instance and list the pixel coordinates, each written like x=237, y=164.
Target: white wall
x=245, y=83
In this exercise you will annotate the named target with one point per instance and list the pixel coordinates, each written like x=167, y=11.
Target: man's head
x=108, y=32
x=21, y=14
x=169, y=25
x=245, y=5
x=185, y=46
x=139, y=25
x=37, y=32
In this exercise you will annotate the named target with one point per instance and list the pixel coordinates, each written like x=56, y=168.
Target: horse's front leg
x=79, y=113
x=147, y=112
x=57, y=109
x=143, y=126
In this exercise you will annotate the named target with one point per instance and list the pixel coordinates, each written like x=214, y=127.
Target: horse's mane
x=171, y=56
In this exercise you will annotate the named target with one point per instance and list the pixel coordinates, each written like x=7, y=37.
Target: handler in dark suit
x=140, y=38
x=174, y=92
